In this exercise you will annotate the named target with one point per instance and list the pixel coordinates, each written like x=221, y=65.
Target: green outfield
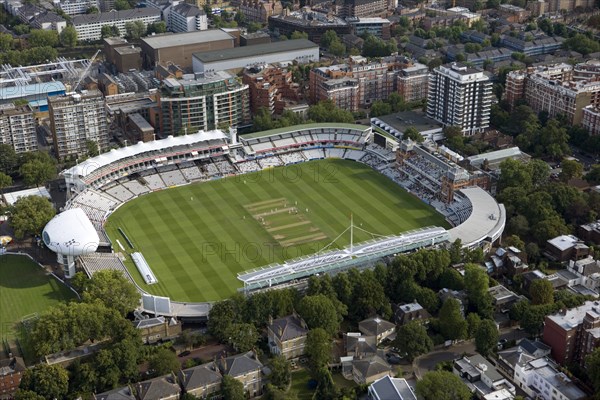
x=196, y=238
x=26, y=289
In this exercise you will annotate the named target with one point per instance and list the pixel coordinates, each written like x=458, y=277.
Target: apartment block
x=76, y=7
x=555, y=90
x=541, y=7
x=364, y=8
x=77, y=120
x=186, y=17
x=260, y=10
x=372, y=81
x=271, y=87
x=460, y=96
x=89, y=26
x=203, y=102
x=18, y=128
x=591, y=119
x=541, y=378
x=573, y=333
x=413, y=82
x=313, y=23
x=376, y=26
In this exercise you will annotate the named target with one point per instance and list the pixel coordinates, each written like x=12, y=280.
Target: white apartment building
x=77, y=119
x=460, y=96
x=541, y=379
x=89, y=26
x=186, y=17
x=76, y=7
x=18, y=128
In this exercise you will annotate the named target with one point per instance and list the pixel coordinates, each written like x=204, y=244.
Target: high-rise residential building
x=413, y=82
x=18, y=128
x=204, y=102
x=556, y=89
x=375, y=82
x=78, y=123
x=460, y=96
x=76, y=7
x=591, y=120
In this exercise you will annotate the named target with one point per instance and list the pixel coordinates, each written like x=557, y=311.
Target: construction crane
x=86, y=71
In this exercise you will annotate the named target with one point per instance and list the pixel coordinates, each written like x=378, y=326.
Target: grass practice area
x=196, y=238
x=26, y=289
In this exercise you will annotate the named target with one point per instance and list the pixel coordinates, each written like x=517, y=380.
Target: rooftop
x=17, y=92
x=116, y=15
x=255, y=50
x=273, y=132
x=388, y=388
x=563, y=242
x=573, y=317
x=12, y=197
x=186, y=38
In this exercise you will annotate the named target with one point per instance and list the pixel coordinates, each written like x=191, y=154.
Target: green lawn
x=196, y=238
x=300, y=380
x=25, y=289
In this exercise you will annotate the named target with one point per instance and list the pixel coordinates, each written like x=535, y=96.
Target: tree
x=232, y=389
x=221, y=316
x=380, y=108
x=476, y=285
x=164, y=362
x=326, y=389
x=326, y=111
x=413, y=340
x=473, y=322
x=318, y=348
x=30, y=214
x=337, y=48
x=452, y=324
x=37, y=168
x=299, y=35
x=122, y=5
x=242, y=337
x=5, y=180
x=486, y=336
x=27, y=395
x=329, y=37
x=68, y=37
x=109, y=31
x=156, y=27
x=592, y=363
x=135, y=30
x=541, y=292
x=319, y=312
x=280, y=372
x=6, y=42
x=413, y=134
x=42, y=38
x=570, y=169
x=442, y=385
x=8, y=159
x=113, y=290
x=49, y=381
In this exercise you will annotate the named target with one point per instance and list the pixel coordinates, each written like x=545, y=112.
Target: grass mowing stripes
x=196, y=238
x=25, y=289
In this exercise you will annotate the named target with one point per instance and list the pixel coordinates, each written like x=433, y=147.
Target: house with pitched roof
x=161, y=388
x=123, y=393
x=359, y=346
x=11, y=371
x=246, y=368
x=378, y=327
x=367, y=370
x=159, y=328
x=201, y=381
x=405, y=313
x=388, y=388
x=287, y=336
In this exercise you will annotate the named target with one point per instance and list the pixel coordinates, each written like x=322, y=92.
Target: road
x=427, y=362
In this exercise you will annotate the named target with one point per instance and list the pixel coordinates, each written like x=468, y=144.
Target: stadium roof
x=71, y=233
x=255, y=50
x=12, y=197
x=486, y=220
x=17, y=92
x=187, y=38
x=88, y=166
x=273, y=132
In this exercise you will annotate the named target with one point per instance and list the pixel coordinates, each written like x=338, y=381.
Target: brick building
x=573, y=334
x=11, y=372
x=259, y=10
x=271, y=87
x=413, y=82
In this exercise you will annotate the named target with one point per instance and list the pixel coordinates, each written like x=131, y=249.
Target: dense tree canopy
x=442, y=385
x=68, y=37
x=164, y=362
x=48, y=381
x=43, y=38
x=112, y=289
x=541, y=291
x=486, y=337
x=453, y=325
x=232, y=389
x=30, y=214
x=318, y=348
x=412, y=339
x=319, y=312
